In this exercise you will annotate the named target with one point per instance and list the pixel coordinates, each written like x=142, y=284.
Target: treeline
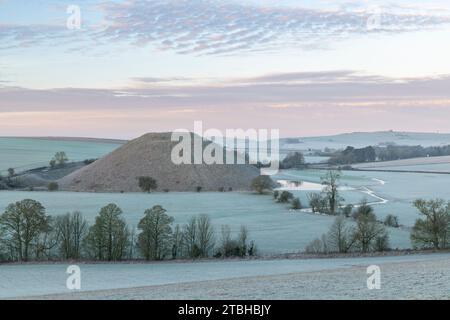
x=293, y=160
x=391, y=152
x=27, y=233
x=360, y=231
x=352, y=155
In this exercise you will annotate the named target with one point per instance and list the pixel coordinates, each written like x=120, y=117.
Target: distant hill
x=150, y=155
x=363, y=139
x=23, y=153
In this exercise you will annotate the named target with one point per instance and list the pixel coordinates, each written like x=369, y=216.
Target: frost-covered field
x=273, y=226
x=364, y=139
x=415, y=276
x=433, y=164
x=26, y=153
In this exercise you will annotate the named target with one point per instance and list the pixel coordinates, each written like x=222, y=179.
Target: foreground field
x=402, y=277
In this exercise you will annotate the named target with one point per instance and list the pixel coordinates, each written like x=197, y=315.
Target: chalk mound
x=150, y=155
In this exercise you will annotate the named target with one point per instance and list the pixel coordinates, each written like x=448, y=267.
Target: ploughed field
x=402, y=277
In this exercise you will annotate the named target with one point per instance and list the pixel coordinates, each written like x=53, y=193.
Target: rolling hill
x=150, y=155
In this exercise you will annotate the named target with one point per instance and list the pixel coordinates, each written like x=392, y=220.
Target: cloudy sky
x=304, y=67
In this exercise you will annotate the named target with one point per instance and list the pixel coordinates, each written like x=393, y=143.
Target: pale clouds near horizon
x=306, y=67
x=299, y=104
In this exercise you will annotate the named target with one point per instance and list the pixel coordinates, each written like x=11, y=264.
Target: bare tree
x=22, y=223
x=60, y=159
x=190, y=238
x=205, y=238
x=177, y=242
x=70, y=230
x=108, y=238
x=132, y=244
x=340, y=236
x=44, y=243
x=368, y=230
x=314, y=247
x=225, y=238
x=156, y=233
x=331, y=182
x=434, y=230
x=242, y=239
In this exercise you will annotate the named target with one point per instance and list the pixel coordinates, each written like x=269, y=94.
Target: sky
x=304, y=67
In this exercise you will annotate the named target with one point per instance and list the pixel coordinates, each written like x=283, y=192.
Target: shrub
x=315, y=246
x=363, y=210
x=296, y=204
x=261, y=184
x=53, y=186
x=391, y=221
x=52, y=163
x=347, y=210
x=381, y=243
x=252, y=249
x=89, y=161
x=147, y=184
x=285, y=197
x=318, y=203
x=11, y=172
x=235, y=247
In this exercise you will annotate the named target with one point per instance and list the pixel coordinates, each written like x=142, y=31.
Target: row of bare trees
x=28, y=233
x=363, y=234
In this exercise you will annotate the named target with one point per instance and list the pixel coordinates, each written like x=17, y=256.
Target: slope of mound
x=150, y=155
